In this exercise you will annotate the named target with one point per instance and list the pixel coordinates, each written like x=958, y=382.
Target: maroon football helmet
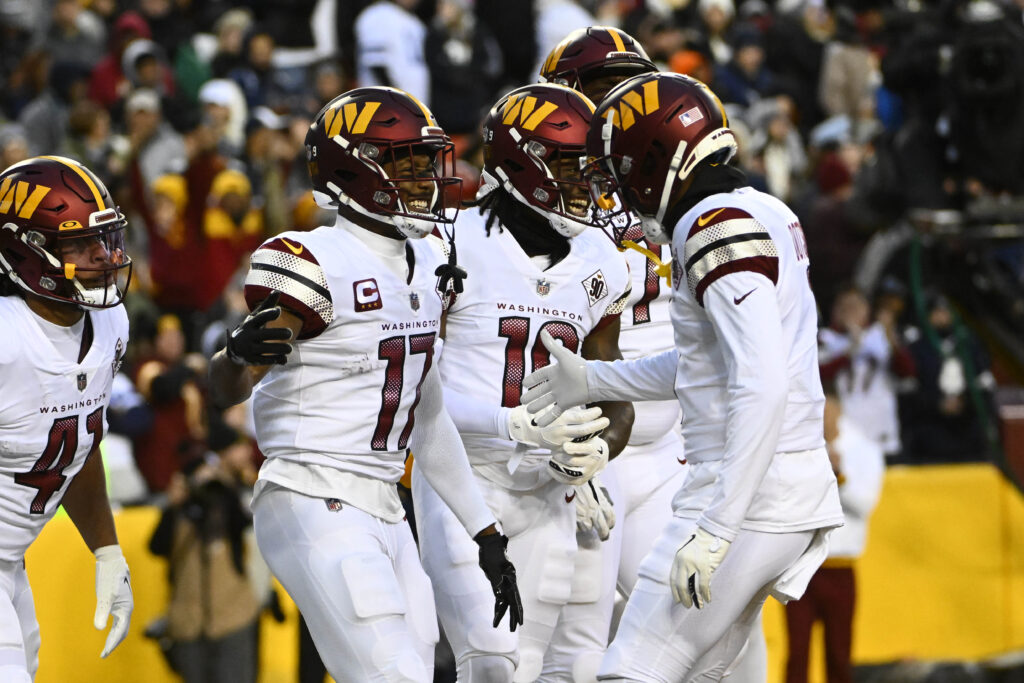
x=594, y=52
x=533, y=148
x=359, y=133
x=646, y=138
x=51, y=207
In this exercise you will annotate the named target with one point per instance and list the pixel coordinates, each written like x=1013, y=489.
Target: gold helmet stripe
x=84, y=176
x=423, y=108
x=718, y=103
x=620, y=46
x=552, y=61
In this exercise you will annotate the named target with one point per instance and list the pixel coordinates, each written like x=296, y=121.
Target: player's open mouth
x=418, y=205
x=579, y=207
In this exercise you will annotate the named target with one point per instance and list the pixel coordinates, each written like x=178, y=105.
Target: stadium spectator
x=390, y=48
x=746, y=78
x=75, y=34
x=212, y=614
x=465, y=63
x=948, y=417
x=108, y=83
x=156, y=148
x=225, y=113
x=832, y=594
x=255, y=75
x=864, y=359
x=230, y=30
x=177, y=436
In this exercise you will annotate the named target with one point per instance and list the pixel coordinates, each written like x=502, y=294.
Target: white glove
x=561, y=385
x=575, y=462
x=695, y=562
x=572, y=424
x=113, y=595
x=594, y=509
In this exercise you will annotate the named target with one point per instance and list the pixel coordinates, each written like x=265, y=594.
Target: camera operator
x=956, y=69
x=212, y=615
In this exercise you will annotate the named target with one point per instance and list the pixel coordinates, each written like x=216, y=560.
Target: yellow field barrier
x=942, y=578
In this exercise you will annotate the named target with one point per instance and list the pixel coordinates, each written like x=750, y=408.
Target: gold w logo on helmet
x=525, y=108
x=349, y=115
x=16, y=195
x=635, y=102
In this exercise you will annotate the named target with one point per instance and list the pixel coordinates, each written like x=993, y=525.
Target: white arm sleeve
x=651, y=378
x=752, y=345
x=438, y=450
x=473, y=416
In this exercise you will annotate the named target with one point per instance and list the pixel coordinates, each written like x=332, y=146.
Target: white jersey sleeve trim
x=736, y=243
x=296, y=277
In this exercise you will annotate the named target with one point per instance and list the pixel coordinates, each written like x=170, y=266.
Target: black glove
x=502, y=575
x=253, y=344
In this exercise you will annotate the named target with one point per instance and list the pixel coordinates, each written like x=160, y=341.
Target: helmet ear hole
x=719, y=157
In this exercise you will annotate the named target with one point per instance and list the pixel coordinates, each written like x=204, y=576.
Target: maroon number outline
x=61, y=446
x=418, y=343
x=652, y=283
x=517, y=330
x=393, y=351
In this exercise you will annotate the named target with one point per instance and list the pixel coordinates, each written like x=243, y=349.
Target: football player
x=534, y=267
x=643, y=478
x=338, y=354
x=65, y=272
x=754, y=513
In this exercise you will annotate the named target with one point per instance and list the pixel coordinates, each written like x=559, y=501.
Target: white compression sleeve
x=438, y=449
x=651, y=378
x=473, y=416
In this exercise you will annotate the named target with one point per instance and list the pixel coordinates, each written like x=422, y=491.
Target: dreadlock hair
x=531, y=230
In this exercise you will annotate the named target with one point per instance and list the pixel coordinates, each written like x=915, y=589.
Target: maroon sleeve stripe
x=716, y=216
x=765, y=265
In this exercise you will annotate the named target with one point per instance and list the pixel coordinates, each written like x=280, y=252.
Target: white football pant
x=357, y=581
x=660, y=641
x=541, y=527
x=641, y=482
x=19, y=631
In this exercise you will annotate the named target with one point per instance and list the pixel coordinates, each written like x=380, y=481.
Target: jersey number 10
x=517, y=330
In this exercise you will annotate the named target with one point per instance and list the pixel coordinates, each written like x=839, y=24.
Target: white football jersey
x=492, y=329
x=347, y=396
x=52, y=415
x=646, y=331
x=740, y=260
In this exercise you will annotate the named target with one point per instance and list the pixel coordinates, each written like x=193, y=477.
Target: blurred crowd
x=856, y=112
x=195, y=114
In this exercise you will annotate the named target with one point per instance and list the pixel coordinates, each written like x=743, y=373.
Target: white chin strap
x=97, y=296
x=407, y=226
x=563, y=225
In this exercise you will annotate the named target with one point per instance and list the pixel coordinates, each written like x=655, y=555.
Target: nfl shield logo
x=82, y=381
x=414, y=301
x=333, y=504
x=543, y=287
